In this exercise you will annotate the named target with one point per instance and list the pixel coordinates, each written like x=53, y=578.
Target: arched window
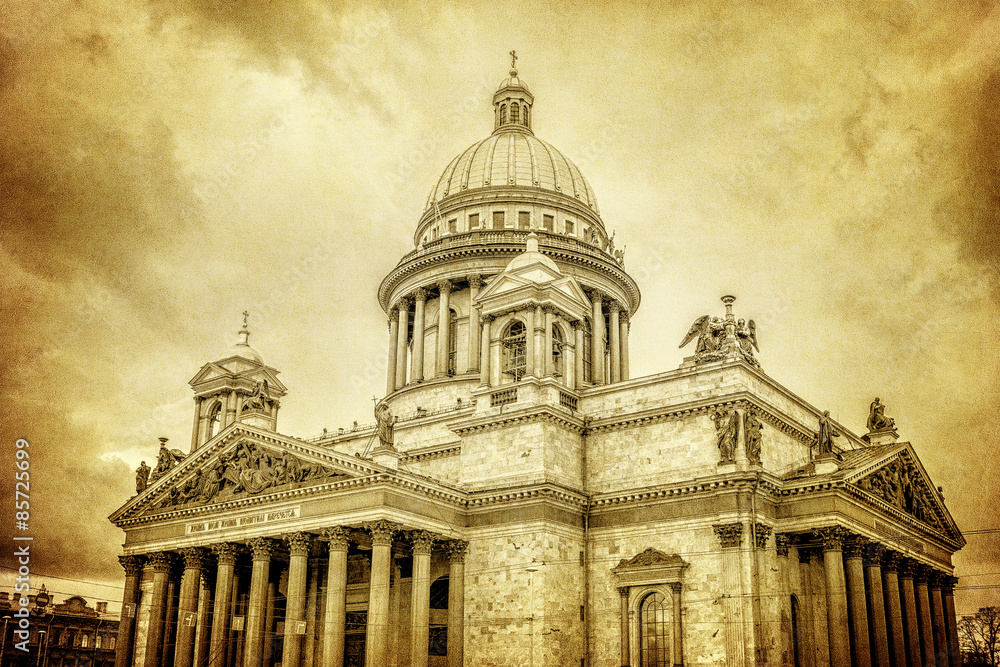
x=452, y=342
x=215, y=420
x=514, y=350
x=588, y=342
x=557, y=351
x=84, y=641
x=654, y=631
x=503, y=114
x=513, y=112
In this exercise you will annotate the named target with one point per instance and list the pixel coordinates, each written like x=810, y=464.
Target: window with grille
x=523, y=219
x=503, y=114
x=514, y=113
x=514, y=350
x=654, y=631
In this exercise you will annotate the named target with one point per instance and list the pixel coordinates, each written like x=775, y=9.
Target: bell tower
x=239, y=387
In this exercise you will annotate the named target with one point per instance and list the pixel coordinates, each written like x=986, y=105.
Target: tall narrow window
x=523, y=219
x=588, y=341
x=526, y=123
x=570, y=228
x=215, y=421
x=654, y=631
x=452, y=226
x=473, y=221
x=547, y=223
x=497, y=219
x=452, y=342
x=513, y=112
x=503, y=114
x=514, y=350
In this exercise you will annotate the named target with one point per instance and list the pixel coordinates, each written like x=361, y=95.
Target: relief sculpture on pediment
x=899, y=484
x=249, y=469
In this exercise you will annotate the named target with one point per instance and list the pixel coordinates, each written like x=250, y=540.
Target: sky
x=167, y=164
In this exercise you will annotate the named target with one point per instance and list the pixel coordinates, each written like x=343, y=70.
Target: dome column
x=417, y=362
x=547, y=337
x=597, y=339
x=615, y=343
x=475, y=283
x=444, y=313
x=541, y=363
x=390, y=383
x=578, y=360
x=484, y=352
x=403, y=325
x=529, y=342
x=623, y=337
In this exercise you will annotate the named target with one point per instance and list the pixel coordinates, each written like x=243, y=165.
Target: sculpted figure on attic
x=727, y=426
x=721, y=338
x=165, y=460
x=259, y=399
x=142, y=477
x=877, y=421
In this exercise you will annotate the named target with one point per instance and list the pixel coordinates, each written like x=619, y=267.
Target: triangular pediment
x=237, y=370
x=509, y=292
x=899, y=480
x=242, y=462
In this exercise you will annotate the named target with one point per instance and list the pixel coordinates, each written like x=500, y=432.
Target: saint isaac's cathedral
x=520, y=498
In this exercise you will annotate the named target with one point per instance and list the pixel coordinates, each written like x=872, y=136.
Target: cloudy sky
x=166, y=164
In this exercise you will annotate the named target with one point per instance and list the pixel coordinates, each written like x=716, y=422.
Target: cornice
x=483, y=499
x=768, y=486
x=535, y=413
x=432, y=452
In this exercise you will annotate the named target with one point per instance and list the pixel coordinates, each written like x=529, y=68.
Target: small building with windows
x=66, y=634
x=521, y=499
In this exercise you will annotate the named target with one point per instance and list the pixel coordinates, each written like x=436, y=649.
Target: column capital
x=615, y=307
x=906, y=567
x=486, y=319
x=805, y=555
x=475, y=281
x=623, y=591
x=456, y=550
x=763, y=531
x=922, y=573
x=132, y=564
x=596, y=296
x=782, y=541
x=382, y=531
x=729, y=534
x=675, y=586
x=226, y=552
x=338, y=537
x=420, y=294
x=854, y=546
x=194, y=558
x=445, y=286
x=162, y=561
x=948, y=584
x=934, y=578
x=403, y=305
x=832, y=537
x=298, y=543
x=422, y=540
x=261, y=548
x=890, y=560
x=875, y=554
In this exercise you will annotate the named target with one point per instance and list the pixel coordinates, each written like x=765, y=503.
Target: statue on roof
x=826, y=434
x=260, y=399
x=142, y=477
x=723, y=338
x=165, y=460
x=384, y=424
x=877, y=421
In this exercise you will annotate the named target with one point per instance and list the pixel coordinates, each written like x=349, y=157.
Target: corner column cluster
x=220, y=605
x=883, y=609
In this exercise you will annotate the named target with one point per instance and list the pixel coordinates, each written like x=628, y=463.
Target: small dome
x=531, y=256
x=243, y=349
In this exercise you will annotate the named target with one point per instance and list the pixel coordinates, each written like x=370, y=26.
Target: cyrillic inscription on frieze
x=230, y=523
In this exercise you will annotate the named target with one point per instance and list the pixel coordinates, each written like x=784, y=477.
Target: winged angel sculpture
x=719, y=338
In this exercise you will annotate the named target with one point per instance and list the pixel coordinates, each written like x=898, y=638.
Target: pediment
x=899, y=480
x=650, y=567
x=227, y=371
x=651, y=558
x=507, y=290
x=242, y=462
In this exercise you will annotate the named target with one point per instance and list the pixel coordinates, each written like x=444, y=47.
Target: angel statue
x=746, y=336
x=710, y=332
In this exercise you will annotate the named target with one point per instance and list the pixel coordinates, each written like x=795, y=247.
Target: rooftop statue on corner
x=877, y=421
x=723, y=338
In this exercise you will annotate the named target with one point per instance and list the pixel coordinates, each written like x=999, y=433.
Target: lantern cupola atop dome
x=512, y=102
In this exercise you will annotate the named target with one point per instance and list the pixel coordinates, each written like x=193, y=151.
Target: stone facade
x=522, y=499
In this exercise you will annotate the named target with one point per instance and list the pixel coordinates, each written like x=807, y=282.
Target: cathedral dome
x=513, y=157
